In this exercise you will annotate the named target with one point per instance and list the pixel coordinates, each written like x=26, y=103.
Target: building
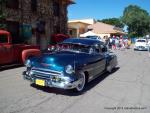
x=102, y=29
x=34, y=21
x=77, y=27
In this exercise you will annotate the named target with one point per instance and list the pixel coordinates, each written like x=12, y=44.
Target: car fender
x=30, y=53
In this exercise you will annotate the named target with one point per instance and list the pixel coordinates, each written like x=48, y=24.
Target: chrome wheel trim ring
x=81, y=85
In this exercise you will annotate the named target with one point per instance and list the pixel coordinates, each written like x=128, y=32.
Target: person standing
x=110, y=43
x=129, y=43
x=107, y=42
x=117, y=42
x=113, y=43
x=121, y=43
x=126, y=43
x=149, y=47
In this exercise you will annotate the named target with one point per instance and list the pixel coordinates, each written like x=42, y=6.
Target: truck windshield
x=3, y=38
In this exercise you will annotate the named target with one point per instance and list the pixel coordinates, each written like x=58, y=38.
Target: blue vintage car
x=71, y=64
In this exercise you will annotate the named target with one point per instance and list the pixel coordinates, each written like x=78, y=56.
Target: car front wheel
x=82, y=82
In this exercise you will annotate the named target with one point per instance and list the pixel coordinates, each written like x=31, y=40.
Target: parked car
x=71, y=65
x=14, y=53
x=141, y=44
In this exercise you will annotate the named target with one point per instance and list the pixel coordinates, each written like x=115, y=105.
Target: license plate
x=40, y=82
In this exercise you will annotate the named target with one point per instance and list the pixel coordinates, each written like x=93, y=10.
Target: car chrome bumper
x=51, y=83
x=141, y=48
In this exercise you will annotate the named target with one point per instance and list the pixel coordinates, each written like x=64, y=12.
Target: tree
x=137, y=20
x=113, y=21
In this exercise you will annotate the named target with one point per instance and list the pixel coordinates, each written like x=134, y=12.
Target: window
x=34, y=5
x=103, y=48
x=141, y=41
x=3, y=38
x=56, y=8
x=14, y=4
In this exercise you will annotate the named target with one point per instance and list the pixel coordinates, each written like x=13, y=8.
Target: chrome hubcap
x=81, y=84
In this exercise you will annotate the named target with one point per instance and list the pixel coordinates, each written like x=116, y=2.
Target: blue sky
x=100, y=9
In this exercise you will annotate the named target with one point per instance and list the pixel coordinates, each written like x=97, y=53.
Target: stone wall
x=25, y=15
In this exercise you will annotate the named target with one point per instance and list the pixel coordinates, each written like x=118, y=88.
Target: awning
x=89, y=33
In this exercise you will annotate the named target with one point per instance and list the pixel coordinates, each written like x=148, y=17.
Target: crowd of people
x=116, y=42
x=120, y=43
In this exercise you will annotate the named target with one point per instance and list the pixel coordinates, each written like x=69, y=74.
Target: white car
x=141, y=44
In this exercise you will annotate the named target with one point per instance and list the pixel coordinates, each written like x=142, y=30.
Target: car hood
x=140, y=44
x=58, y=60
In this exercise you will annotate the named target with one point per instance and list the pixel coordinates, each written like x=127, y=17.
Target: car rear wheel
x=82, y=82
x=109, y=68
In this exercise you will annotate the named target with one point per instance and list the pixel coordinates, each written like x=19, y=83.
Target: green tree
x=113, y=21
x=137, y=20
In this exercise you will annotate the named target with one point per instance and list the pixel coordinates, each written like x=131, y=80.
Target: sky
x=101, y=9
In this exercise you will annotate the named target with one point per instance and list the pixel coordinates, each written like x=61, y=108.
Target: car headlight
x=69, y=69
x=28, y=63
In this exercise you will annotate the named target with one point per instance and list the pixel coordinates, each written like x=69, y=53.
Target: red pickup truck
x=14, y=53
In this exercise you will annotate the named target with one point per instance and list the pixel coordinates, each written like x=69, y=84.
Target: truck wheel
x=82, y=82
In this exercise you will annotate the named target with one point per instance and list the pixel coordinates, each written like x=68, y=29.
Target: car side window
x=103, y=48
x=3, y=38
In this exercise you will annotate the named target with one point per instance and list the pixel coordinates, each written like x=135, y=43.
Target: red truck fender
x=30, y=53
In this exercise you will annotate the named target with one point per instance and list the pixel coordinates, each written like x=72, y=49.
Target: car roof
x=4, y=32
x=82, y=41
x=141, y=39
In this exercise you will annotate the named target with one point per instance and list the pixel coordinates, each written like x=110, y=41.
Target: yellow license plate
x=40, y=82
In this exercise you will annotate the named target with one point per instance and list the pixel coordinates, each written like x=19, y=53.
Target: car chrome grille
x=141, y=47
x=44, y=73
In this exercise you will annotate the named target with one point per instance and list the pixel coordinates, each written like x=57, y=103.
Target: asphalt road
x=126, y=90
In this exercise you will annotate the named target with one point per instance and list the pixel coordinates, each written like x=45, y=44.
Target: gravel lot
x=126, y=90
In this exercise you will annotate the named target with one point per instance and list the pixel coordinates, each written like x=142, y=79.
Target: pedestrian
x=126, y=43
x=129, y=43
x=107, y=42
x=117, y=42
x=121, y=43
x=149, y=47
x=113, y=43
x=110, y=42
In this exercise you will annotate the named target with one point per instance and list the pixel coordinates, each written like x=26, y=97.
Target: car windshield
x=3, y=38
x=92, y=37
x=72, y=47
x=141, y=41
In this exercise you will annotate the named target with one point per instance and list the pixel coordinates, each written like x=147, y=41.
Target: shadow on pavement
x=4, y=68
x=89, y=86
